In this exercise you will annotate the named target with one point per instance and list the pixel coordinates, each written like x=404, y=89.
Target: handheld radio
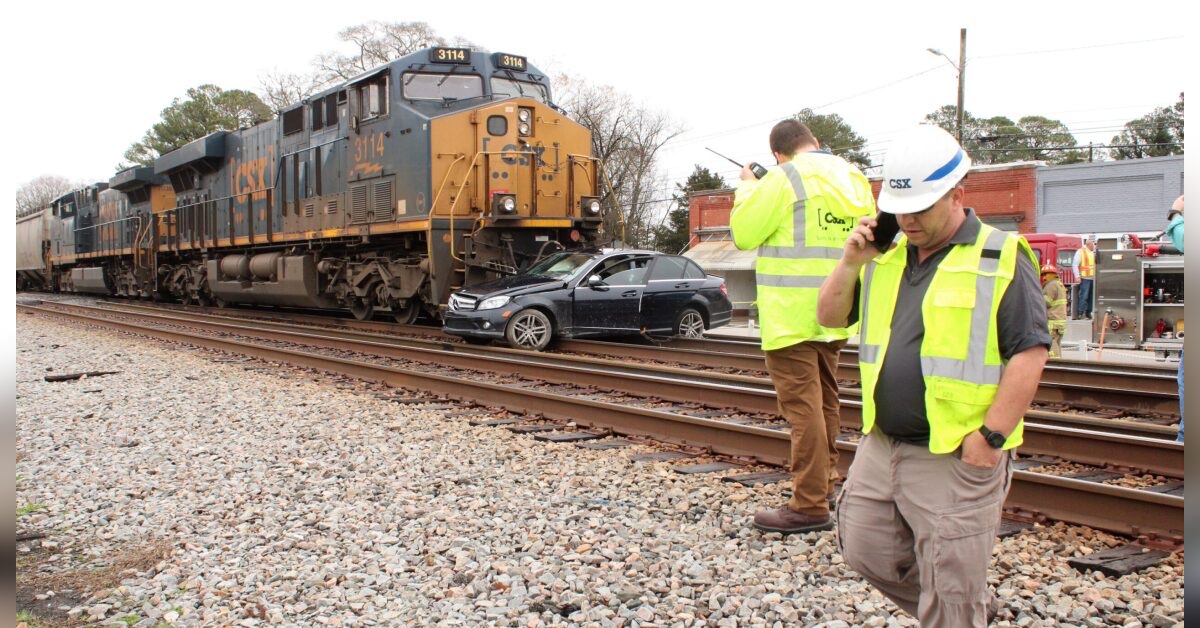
x=759, y=171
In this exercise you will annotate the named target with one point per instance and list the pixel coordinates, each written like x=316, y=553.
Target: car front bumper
x=476, y=323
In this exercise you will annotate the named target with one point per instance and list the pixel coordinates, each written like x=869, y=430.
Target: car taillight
x=724, y=290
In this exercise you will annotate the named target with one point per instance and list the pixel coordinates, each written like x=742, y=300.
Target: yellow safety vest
x=960, y=353
x=1087, y=263
x=798, y=216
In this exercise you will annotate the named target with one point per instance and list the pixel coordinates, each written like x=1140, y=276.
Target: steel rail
x=757, y=395
x=626, y=351
x=1121, y=510
x=1152, y=389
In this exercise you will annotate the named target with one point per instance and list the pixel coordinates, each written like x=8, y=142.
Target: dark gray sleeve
x=1021, y=321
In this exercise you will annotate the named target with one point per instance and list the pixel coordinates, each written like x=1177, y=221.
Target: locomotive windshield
x=441, y=86
x=511, y=88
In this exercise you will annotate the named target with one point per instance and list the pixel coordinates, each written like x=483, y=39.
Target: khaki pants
x=920, y=527
x=805, y=378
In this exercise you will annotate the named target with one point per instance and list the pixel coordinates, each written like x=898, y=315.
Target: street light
x=961, y=67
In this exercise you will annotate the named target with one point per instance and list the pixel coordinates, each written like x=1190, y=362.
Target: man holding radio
x=953, y=339
x=798, y=216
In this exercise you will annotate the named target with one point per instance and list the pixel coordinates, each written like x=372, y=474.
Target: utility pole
x=961, y=67
x=962, y=71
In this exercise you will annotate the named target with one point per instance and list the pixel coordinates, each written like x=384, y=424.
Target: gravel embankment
x=235, y=496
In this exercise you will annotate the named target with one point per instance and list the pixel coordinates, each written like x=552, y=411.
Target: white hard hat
x=921, y=166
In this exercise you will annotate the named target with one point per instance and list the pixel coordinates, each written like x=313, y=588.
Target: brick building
x=1107, y=198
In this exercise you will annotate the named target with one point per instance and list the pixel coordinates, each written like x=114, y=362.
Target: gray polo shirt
x=900, y=391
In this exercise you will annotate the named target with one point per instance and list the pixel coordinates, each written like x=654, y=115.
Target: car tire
x=529, y=329
x=689, y=324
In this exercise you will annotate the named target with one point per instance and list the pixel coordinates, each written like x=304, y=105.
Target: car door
x=667, y=293
x=612, y=306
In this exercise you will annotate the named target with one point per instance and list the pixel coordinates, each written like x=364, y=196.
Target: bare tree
x=371, y=44
x=40, y=191
x=281, y=90
x=377, y=43
x=627, y=137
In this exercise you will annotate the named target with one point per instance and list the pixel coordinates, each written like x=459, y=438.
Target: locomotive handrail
x=458, y=194
x=611, y=190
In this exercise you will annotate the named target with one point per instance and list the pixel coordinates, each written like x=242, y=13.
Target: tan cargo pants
x=921, y=527
x=805, y=379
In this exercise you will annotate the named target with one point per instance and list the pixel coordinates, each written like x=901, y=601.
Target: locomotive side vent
x=331, y=207
x=358, y=205
x=381, y=205
x=309, y=210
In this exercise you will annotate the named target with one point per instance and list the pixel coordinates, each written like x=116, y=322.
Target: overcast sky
x=92, y=78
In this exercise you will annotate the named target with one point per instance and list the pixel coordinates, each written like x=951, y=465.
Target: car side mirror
x=596, y=283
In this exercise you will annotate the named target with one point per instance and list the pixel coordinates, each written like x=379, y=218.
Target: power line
x=1052, y=50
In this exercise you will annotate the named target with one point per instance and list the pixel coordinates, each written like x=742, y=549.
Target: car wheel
x=529, y=329
x=689, y=324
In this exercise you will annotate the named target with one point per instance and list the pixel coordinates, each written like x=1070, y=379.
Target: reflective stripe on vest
x=974, y=368
x=866, y=352
x=799, y=248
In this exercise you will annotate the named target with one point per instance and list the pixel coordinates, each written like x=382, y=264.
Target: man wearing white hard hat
x=952, y=342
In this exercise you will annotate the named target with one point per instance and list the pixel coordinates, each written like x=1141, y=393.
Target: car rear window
x=694, y=272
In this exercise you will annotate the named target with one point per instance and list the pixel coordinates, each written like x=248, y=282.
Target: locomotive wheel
x=690, y=324
x=529, y=329
x=362, y=309
x=203, y=299
x=405, y=312
x=219, y=302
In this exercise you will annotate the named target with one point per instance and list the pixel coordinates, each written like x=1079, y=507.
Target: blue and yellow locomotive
x=436, y=171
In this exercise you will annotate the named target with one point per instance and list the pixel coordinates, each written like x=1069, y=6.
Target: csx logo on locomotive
x=377, y=193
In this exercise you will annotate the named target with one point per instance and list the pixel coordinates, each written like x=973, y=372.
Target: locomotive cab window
x=446, y=87
x=373, y=97
x=520, y=89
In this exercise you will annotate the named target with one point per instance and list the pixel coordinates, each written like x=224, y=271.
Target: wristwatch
x=994, y=439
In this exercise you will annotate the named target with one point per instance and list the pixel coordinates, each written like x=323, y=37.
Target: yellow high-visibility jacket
x=798, y=216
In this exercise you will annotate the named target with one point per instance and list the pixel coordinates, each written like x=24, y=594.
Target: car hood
x=514, y=285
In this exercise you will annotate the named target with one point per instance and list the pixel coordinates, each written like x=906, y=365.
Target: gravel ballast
x=218, y=492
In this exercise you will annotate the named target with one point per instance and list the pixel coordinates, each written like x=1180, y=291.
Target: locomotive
x=439, y=170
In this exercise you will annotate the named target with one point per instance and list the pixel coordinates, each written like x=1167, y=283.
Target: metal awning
x=721, y=255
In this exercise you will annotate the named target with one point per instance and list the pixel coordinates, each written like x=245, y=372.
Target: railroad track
x=1143, y=402
x=742, y=435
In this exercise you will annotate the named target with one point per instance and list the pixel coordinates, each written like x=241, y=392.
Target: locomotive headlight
x=504, y=204
x=524, y=121
x=589, y=206
x=493, y=303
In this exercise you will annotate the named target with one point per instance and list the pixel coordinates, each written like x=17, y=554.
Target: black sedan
x=578, y=294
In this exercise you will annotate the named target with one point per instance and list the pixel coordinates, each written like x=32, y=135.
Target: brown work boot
x=788, y=521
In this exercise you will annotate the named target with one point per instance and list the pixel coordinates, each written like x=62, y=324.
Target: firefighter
x=1055, y=295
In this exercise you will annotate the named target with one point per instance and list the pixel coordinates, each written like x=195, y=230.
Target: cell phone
x=886, y=228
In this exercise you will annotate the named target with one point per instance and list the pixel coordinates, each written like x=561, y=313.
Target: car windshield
x=560, y=265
